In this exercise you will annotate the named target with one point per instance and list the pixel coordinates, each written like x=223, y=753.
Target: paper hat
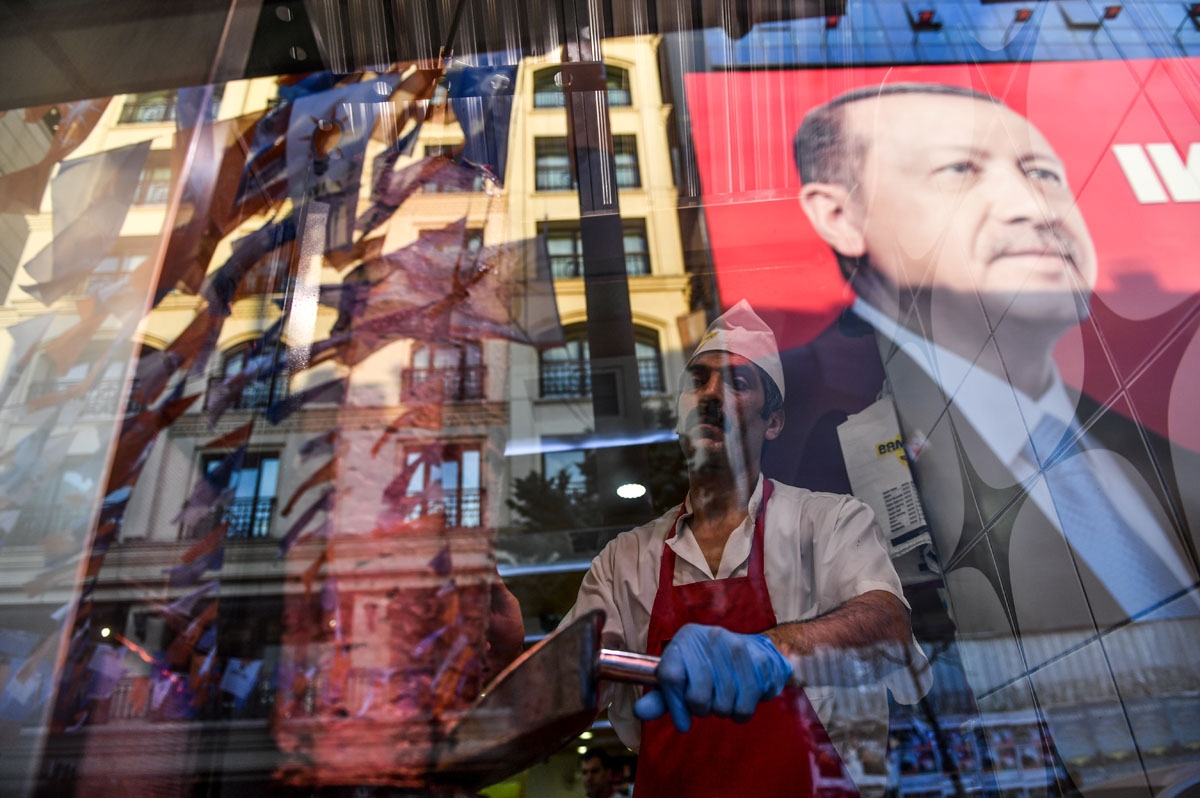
x=739, y=330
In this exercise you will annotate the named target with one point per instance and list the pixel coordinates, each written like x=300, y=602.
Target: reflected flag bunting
x=326, y=146
x=325, y=503
x=324, y=474
x=221, y=285
x=90, y=197
x=332, y=392
x=21, y=190
x=482, y=99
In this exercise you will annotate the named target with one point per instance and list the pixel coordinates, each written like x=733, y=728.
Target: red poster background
x=1147, y=304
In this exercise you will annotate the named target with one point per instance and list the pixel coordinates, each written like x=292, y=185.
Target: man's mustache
x=707, y=414
x=1041, y=239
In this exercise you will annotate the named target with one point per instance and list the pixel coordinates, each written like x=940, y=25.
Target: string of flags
x=263, y=169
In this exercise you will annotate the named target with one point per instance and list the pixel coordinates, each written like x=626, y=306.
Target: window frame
x=576, y=367
x=569, y=230
x=618, y=87
x=256, y=457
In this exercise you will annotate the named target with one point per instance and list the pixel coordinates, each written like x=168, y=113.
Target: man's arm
x=871, y=629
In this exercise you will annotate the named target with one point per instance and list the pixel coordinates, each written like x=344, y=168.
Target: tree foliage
x=545, y=503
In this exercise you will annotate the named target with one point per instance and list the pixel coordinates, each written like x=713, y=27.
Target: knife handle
x=625, y=666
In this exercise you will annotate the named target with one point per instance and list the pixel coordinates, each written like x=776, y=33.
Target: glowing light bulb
x=631, y=490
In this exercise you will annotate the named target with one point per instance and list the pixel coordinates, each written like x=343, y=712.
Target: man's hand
x=707, y=670
x=506, y=630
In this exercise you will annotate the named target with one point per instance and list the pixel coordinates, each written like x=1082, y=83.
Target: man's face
x=720, y=409
x=596, y=778
x=967, y=199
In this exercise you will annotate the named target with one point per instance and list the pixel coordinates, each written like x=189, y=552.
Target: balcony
x=458, y=383
x=250, y=518
x=566, y=267
x=256, y=395
x=562, y=379
x=100, y=399
x=463, y=508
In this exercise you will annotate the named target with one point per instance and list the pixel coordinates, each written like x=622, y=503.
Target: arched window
x=565, y=372
x=548, y=94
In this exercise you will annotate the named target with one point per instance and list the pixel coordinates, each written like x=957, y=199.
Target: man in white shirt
x=746, y=589
x=951, y=216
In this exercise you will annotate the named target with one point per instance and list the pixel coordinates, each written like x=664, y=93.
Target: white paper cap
x=739, y=330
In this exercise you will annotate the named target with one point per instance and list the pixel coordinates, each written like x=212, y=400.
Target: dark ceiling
x=58, y=50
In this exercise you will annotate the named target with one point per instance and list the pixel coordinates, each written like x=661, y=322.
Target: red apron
x=771, y=755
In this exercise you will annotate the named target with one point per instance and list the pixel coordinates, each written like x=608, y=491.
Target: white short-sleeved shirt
x=820, y=551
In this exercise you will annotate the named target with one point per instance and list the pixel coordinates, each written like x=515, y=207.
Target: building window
x=125, y=257
x=258, y=393
x=154, y=184
x=565, y=246
x=571, y=462
x=61, y=502
x=472, y=240
x=451, y=180
x=456, y=369
x=625, y=154
x=637, y=255
x=552, y=163
x=548, y=94
x=254, y=493
x=565, y=372
x=458, y=474
x=105, y=389
x=554, y=171
x=161, y=106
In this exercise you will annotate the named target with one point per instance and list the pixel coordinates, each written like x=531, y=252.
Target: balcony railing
x=573, y=378
x=458, y=383
x=566, y=267
x=250, y=518
x=159, y=109
x=100, y=399
x=462, y=507
x=256, y=395
x=559, y=178
x=554, y=178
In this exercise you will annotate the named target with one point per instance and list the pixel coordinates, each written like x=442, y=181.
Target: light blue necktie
x=1133, y=573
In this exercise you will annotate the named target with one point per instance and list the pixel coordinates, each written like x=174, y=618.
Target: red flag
x=184, y=644
x=206, y=545
x=333, y=391
x=195, y=236
x=22, y=191
x=269, y=273
x=190, y=348
x=427, y=417
x=136, y=436
x=363, y=249
x=323, y=474
x=325, y=503
x=232, y=440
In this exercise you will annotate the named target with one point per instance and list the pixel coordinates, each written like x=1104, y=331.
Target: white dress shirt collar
x=737, y=548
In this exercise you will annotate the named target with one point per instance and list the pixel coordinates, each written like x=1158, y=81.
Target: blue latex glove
x=707, y=670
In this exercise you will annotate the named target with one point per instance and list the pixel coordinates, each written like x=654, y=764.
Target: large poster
x=1006, y=252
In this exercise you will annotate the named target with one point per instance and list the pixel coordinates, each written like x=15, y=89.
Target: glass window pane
x=373, y=289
